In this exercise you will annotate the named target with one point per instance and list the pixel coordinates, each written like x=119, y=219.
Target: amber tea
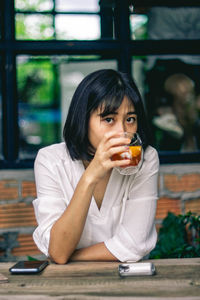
x=134, y=154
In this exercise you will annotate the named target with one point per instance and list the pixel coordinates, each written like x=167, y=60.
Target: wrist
x=88, y=180
x=90, y=176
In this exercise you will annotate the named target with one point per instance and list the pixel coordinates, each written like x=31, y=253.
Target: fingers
x=119, y=163
x=113, y=139
x=115, y=150
x=111, y=144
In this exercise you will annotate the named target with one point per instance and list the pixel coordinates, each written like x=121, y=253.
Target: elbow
x=58, y=258
x=141, y=251
x=60, y=261
x=57, y=254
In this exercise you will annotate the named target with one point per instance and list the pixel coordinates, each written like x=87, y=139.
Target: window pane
x=1, y=17
x=1, y=115
x=77, y=5
x=33, y=27
x=71, y=74
x=34, y=5
x=171, y=90
x=45, y=89
x=39, y=114
x=165, y=23
x=138, y=27
x=77, y=27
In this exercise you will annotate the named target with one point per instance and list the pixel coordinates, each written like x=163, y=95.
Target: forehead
x=126, y=105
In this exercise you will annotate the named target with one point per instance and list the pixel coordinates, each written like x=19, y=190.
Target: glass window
x=66, y=25
x=34, y=27
x=171, y=89
x=138, y=26
x=77, y=5
x=1, y=115
x=1, y=18
x=39, y=112
x=45, y=89
x=77, y=27
x=165, y=23
x=72, y=72
x=34, y=5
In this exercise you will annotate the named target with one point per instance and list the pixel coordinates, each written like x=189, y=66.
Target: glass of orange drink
x=134, y=152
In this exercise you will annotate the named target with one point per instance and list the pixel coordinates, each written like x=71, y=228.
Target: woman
x=87, y=210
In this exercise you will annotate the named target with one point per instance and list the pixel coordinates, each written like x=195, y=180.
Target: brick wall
x=17, y=219
x=179, y=192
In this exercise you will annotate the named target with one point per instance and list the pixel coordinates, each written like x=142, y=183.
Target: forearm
x=97, y=252
x=66, y=232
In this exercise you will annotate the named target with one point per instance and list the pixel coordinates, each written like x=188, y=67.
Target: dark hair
x=106, y=88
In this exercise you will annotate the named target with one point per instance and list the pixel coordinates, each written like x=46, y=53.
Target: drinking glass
x=134, y=153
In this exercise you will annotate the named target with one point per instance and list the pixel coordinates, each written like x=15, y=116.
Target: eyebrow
x=104, y=114
x=132, y=113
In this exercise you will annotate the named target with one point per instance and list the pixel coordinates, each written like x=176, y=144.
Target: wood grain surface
x=178, y=278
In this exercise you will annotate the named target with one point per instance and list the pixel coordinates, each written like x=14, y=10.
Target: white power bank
x=136, y=269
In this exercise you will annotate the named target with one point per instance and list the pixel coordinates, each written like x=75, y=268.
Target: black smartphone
x=29, y=267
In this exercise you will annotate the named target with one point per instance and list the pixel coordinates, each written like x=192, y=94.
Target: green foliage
x=35, y=78
x=30, y=258
x=39, y=98
x=34, y=27
x=179, y=237
x=34, y=5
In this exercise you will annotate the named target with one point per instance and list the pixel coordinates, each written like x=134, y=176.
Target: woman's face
x=124, y=119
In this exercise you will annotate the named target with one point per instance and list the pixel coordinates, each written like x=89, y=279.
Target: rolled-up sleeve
x=50, y=202
x=136, y=235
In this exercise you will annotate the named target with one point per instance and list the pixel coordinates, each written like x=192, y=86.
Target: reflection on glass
x=77, y=5
x=138, y=27
x=77, y=27
x=36, y=5
x=165, y=23
x=173, y=80
x=173, y=23
x=179, y=115
x=34, y=27
x=45, y=88
x=171, y=89
x=39, y=113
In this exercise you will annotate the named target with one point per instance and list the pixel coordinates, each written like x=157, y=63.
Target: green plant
x=178, y=237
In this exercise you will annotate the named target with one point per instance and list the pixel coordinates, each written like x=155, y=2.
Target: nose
x=120, y=127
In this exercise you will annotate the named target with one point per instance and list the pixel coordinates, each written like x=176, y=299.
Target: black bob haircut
x=106, y=89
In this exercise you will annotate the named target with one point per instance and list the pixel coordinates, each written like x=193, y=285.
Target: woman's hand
x=112, y=143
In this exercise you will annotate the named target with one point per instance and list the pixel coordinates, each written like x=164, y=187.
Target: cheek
x=136, y=125
x=95, y=135
x=94, y=138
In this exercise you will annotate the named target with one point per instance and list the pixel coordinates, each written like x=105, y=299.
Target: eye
x=109, y=120
x=131, y=120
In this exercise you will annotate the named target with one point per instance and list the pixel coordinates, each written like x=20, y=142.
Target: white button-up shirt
x=125, y=221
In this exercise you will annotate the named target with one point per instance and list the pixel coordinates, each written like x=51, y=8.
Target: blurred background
x=48, y=46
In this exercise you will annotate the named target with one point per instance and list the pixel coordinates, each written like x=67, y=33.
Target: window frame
x=122, y=48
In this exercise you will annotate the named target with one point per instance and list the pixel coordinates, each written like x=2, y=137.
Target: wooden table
x=174, y=279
